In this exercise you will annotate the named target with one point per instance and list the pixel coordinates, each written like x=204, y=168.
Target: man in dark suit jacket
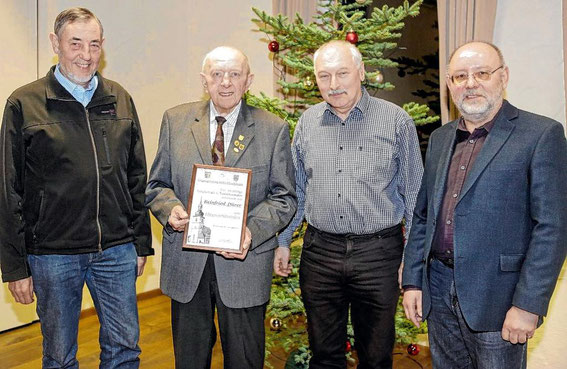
x=489, y=228
x=238, y=285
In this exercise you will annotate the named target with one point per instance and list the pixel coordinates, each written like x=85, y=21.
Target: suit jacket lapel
x=447, y=148
x=497, y=137
x=241, y=138
x=200, y=130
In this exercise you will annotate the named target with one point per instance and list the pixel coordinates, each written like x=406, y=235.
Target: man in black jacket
x=73, y=175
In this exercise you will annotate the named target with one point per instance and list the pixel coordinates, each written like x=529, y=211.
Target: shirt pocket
x=373, y=162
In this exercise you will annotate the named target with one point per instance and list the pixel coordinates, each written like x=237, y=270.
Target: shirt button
x=343, y=123
x=340, y=217
x=448, y=222
x=339, y=195
x=340, y=170
x=448, y=251
x=471, y=141
x=455, y=195
x=463, y=167
x=340, y=147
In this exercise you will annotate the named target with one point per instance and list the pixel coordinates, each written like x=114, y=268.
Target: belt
x=385, y=233
x=448, y=262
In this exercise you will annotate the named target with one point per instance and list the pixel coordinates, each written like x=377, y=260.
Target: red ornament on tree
x=351, y=37
x=348, y=346
x=274, y=46
x=413, y=349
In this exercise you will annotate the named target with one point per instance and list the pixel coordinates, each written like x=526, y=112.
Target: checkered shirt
x=357, y=176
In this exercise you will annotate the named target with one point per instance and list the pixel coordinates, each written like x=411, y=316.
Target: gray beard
x=476, y=113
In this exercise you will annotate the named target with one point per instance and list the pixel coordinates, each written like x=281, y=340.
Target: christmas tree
x=292, y=43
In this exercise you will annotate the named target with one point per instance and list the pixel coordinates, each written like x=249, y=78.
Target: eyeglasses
x=480, y=76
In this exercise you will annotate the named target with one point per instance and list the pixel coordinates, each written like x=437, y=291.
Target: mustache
x=336, y=92
x=474, y=92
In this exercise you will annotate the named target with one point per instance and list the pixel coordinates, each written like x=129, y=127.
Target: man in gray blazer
x=489, y=228
x=238, y=285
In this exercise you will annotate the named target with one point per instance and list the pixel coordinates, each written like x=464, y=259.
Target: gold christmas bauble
x=275, y=324
x=308, y=83
x=378, y=78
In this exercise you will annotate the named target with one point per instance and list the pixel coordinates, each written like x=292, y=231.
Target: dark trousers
x=194, y=334
x=361, y=271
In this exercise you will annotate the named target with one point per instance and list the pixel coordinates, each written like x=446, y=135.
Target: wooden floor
x=21, y=348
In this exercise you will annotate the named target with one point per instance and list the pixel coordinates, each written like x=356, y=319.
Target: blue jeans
x=110, y=275
x=453, y=344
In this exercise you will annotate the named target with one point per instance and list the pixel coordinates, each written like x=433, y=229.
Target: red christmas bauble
x=274, y=46
x=348, y=346
x=413, y=349
x=351, y=37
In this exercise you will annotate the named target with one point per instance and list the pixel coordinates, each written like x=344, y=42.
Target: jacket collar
x=499, y=133
x=243, y=133
x=55, y=91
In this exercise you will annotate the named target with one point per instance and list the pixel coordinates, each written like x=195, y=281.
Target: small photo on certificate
x=218, y=206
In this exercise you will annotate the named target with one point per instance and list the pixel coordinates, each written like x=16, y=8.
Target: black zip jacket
x=72, y=179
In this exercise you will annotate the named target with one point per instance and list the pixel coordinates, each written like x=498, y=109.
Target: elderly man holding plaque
x=224, y=132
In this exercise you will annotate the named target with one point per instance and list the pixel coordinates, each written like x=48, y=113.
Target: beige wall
x=154, y=49
x=17, y=66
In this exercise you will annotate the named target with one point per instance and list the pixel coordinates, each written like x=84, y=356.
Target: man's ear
x=54, y=42
x=361, y=72
x=204, y=81
x=249, y=80
x=505, y=77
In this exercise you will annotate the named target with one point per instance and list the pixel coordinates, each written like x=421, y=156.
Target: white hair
x=222, y=52
x=356, y=55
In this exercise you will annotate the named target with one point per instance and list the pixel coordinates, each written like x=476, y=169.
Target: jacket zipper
x=40, y=213
x=97, y=181
x=106, y=148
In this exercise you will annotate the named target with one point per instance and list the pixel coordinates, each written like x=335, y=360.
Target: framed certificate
x=217, y=207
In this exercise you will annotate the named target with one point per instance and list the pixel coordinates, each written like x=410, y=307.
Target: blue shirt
x=357, y=176
x=81, y=94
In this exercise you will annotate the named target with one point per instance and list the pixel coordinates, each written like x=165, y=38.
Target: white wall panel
x=530, y=34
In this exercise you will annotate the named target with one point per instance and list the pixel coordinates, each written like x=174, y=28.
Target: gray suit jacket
x=510, y=220
x=184, y=140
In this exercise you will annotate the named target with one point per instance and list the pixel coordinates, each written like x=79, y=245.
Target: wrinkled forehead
x=334, y=57
x=474, y=56
x=225, y=63
x=226, y=59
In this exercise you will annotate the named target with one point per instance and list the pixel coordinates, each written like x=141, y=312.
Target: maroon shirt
x=467, y=148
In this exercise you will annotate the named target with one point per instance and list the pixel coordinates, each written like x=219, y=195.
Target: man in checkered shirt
x=358, y=172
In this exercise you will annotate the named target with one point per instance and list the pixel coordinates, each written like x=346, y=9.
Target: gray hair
x=72, y=15
x=218, y=50
x=356, y=55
